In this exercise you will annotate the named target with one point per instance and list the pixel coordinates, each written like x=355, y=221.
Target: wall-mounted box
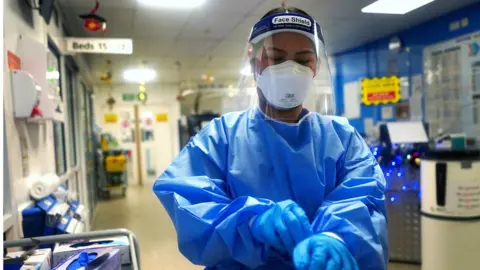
x=30, y=85
x=30, y=101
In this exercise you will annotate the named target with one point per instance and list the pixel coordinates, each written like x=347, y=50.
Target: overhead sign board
x=99, y=45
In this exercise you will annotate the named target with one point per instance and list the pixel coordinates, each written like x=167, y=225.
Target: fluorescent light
x=180, y=4
x=247, y=70
x=139, y=75
x=394, y=6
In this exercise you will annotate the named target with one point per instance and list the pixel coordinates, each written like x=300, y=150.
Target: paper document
x=352, y=100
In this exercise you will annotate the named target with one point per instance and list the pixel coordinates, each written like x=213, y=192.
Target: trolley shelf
x=134, y=248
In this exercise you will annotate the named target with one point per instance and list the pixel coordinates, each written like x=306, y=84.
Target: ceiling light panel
x=394, y=6
x=139, y=75
x=173, y=4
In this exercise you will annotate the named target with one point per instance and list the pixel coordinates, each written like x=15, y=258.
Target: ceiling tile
x=268, y=5
x=337, y=9
x=190, y=47
x=150, y=48
x=203, y=25
x=225, y=63
x=158, y=23
x=236, y=7
x=130, y=4
x=242, y=30
x=230, y=49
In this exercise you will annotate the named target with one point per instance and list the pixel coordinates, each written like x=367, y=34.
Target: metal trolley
x=134, y=249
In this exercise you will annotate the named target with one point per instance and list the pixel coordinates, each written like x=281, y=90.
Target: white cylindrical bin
x=450, y=190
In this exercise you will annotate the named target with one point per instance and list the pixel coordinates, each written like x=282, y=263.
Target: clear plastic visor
x=285, y=74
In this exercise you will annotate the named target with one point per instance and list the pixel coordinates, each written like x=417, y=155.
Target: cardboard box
x=107, y=259
x=40, y=260
x=62, y=251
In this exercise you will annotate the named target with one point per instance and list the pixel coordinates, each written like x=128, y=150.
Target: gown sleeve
x=355, y=210
x=212, y=228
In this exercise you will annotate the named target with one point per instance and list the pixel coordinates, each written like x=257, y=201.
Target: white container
x=39, y=260
x=63, y=251
x=450, y=210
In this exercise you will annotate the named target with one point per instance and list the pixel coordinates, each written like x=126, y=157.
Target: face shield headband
x=286, y=22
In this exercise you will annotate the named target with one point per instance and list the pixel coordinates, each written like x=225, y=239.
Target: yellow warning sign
x=381, y=90
x=110, y=118
x=161, y=117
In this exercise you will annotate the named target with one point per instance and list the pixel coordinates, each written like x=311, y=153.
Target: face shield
x=285, y=68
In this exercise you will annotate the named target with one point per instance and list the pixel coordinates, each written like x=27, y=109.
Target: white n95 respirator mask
x=286, y=85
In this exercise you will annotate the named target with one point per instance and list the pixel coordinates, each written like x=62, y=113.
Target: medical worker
x=279, y=186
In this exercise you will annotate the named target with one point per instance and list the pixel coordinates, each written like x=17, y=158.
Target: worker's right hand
x=283, y=226
x=323, y=252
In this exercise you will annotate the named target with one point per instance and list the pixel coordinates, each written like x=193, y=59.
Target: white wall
x=41, y=154
x=161, y=99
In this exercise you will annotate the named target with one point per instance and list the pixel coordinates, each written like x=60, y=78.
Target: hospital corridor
x=241, y=134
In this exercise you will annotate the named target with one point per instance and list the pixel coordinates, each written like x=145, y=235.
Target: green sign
x=129, y=97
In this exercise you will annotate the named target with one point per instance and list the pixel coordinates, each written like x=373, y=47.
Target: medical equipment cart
x=36, y=241
x=112, y=172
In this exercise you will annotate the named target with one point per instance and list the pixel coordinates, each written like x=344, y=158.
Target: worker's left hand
x=283, y=226
x=323, y=252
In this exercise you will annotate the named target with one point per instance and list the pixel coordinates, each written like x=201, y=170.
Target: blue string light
x=392, y=199
x=415, y=185
x=404, y=188
x=388, y=174
x=393, y=163
x=399, y=174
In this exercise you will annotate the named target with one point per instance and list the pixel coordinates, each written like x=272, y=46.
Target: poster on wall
x=387, y=112
x=416, y=113
x=404, y=88
x=449, y=77
x=161, y=117
x=417, y=85
x=382, y=90
x=126, y=127
x=476, y=94
x=110, y=118
x=14, y=62
x=402, y=111
x=352, y=100
x=147, y=126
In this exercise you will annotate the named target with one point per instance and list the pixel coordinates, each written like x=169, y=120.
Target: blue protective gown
x=242, y=163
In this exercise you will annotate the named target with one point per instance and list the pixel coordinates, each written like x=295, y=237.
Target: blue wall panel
x=372, y=59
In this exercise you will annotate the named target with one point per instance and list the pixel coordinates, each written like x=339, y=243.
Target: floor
x=142, y=213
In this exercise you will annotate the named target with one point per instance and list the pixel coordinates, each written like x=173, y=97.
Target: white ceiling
x=212, y=37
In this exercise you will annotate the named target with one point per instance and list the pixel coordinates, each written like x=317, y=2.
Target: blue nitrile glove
x=323, y=252
x=83, y=259
x=283, y=226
